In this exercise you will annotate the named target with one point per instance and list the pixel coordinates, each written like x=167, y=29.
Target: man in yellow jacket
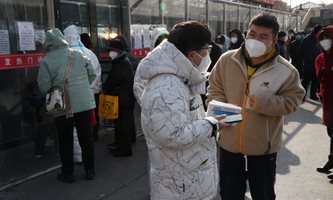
x=267, y=87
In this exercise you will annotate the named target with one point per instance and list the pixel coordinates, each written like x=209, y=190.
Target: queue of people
x=252, y=71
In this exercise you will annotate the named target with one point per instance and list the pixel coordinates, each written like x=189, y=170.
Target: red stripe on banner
x=17, y=61
x=103, y=55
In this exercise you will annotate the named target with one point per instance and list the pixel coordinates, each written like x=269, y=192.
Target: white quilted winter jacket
x=181, y=149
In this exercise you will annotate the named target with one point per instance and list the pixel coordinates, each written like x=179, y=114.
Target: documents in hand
x=233, y=112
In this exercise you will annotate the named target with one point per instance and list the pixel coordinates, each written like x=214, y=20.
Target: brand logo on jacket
x=194, y=104
x=265, y=84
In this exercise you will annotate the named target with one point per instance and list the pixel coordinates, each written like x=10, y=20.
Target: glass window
x=197, y=10
x=245, y=15
x=74, y=12
x=216, y=18
x=16, y=14
x=173, y=13
x=108, y=22
x=231, y=17
x=25, y=128
x=145, y=12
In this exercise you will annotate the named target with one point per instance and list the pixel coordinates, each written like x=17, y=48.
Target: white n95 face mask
x=234, y=40
x=326, y=44
x=113, y=54
x=255, y=48
x=204, y=64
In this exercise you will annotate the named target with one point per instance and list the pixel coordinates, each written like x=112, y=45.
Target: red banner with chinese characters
x=17, y=61
x=140, y=53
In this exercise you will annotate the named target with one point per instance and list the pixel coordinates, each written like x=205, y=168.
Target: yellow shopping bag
x=108, y=106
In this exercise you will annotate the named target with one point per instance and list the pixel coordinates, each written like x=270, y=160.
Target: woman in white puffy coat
x=180, y=139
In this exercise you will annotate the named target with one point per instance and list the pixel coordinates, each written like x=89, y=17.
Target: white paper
x=4, y=42
x=26, y=36
x=146, y=38
x=40, y=36
x=137, y=39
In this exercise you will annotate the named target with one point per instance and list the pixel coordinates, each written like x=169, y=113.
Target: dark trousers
x=260, y=173
x=96, y=127
x=82, y=121
x=330, y=134
x=125, y=129
x=310, y=76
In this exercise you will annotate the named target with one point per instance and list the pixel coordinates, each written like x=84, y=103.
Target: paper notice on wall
x=146, y=38
x=137, y=39
x=40, y=36
x=4, y=42
x=26, y=34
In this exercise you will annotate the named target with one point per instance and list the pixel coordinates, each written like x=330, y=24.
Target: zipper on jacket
x=241, y=131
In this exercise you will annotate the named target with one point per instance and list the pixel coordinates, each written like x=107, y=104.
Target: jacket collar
x=240, y=60
x=167, y=59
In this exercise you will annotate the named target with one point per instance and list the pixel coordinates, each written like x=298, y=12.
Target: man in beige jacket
x=267, y=87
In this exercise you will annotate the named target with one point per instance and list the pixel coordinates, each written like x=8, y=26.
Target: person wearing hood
x=236, y=39
x=309, y=50
x=158, y=35
x=223, y=42
x=51, y=74
x=180, y=139
x=267, y=87
x=73, y=38
x=120, y=83
x=294, y=53
x=324, y=70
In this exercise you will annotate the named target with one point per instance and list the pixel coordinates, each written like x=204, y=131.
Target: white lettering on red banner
x=140, y=53
x=15, y=61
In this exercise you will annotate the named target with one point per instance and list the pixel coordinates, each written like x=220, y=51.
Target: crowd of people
x=265, y=71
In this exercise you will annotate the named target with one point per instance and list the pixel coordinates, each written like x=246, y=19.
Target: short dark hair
x=116, y=44
x=189, y=36
x=85, y=39
x=316, y=29
x=281, y=34
x=266, y=20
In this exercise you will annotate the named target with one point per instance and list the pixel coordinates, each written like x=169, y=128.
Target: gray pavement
x=305, y=146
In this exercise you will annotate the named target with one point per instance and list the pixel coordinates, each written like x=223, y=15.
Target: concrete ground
x=305, y=147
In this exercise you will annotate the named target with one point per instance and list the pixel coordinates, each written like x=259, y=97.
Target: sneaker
x=66, y=178
x=330, y=176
